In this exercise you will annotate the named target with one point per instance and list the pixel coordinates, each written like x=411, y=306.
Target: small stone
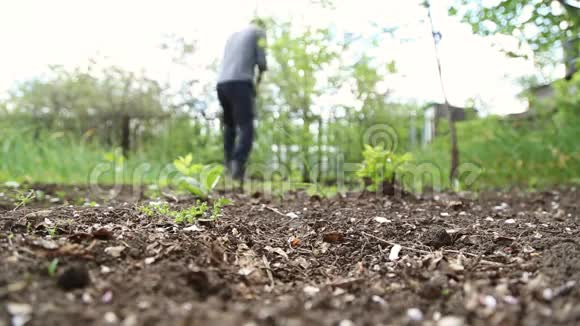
x=394, y=253
x=70, y=296
x=111, y=318
x=143, y=305
x=378, y=300
x=310, y=290
x=381, y=220
x=489, y=301
x=292, y=215
x=87, y=298
x=130, y=320
x=415, y=314
x=21, y=313
x=46, y=244
x=501, y=207
x=346, y=322
x=114, y=251
x=451, y=321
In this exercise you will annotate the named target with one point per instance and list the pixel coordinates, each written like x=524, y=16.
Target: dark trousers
x=237, y=101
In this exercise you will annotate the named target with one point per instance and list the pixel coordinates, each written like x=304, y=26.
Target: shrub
x=379, y=168
x=198, y=179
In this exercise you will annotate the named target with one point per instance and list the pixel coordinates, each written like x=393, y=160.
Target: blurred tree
x=301, y=60
x=87, y=101
x=454, y=162
x=542, y=24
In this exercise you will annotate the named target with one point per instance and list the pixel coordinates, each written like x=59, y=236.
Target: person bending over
x=244, y=50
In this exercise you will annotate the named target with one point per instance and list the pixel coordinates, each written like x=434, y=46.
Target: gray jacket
x=244, y=50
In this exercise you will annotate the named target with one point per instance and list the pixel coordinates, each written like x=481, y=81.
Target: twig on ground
x=392, y=243
x=460, y=252
x=427, y=252
x=268, y=271
x=474, y=264
x=275, y=211
x=363, y=248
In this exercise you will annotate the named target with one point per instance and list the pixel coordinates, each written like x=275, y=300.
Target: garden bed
x=360, y=259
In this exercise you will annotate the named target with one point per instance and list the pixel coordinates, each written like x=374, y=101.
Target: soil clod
x=74, y=277
x=437, y=237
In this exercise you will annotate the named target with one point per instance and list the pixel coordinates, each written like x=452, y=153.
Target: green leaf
x=392, y=67
x=213, y=176
x=193, y=186
x=52, y=267
x=181, y=167
x=195, y=169
x=452, y=11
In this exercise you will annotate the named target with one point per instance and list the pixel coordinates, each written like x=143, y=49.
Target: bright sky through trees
x=36, y=33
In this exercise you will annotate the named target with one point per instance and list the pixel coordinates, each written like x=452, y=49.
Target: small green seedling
x=92, y=204
x=198, y=179
x=155, y=208
x=23, y=199
x=147, y=210
x=52, y=267
x=218, y=206
x=189, y=215
x=192, y=214
x=60, y=194
x=52, y=232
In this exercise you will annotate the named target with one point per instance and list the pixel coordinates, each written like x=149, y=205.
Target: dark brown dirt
x=501, y=259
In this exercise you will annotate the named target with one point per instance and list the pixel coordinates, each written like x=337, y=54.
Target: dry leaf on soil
x=277, y=250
